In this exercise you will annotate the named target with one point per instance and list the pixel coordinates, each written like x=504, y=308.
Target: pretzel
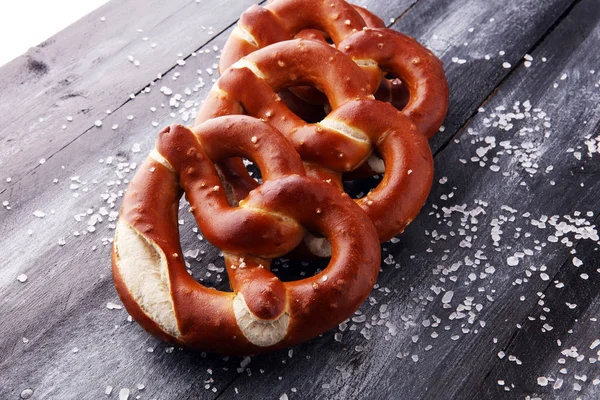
x=308, y=103
x=283, y=19
x=262, y=313
x=280, y=20
x=339, y=143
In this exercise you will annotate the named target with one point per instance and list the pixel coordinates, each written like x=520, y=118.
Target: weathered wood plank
x=91, y=67
x=475, y=39
x=563, y=324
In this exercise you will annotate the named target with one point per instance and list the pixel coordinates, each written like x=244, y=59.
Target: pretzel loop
x=282, y=20
x=262, y=313
x=250, y=87
x=418, y=68
x=407, y=164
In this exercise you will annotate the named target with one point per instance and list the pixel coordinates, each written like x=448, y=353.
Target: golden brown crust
x=418, y=88
x=278, y=211
x=418, y=68
x=344, y=140
x=253, y=223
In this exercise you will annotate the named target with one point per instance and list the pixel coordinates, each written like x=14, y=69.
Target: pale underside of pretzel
x=262, y=313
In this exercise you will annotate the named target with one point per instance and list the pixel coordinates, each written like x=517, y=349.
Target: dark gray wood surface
x=490, y=293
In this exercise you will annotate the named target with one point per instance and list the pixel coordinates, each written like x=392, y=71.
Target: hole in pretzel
x=253, y=170
x=361, y=181
x=394, y=91
x=307, y=102
x=359, y=188
x=293, y=269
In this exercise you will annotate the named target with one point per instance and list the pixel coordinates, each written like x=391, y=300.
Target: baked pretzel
x=262, y=313
x=339, y=21
x=281, y=20
x=343, y=140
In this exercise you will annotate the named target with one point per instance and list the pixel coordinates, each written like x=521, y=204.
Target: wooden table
x=492, y=292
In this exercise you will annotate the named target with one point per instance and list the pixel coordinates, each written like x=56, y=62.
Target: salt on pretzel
x=339, y=143
x=322, y=19
x=418, y=68
x=309, y=103
x=262, y=313
x=421, y=92
x=280, y=20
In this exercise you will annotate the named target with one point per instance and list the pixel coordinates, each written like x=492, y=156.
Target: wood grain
x=462, y=33
x=85, y=70
x=568, y=302
x=411, y=339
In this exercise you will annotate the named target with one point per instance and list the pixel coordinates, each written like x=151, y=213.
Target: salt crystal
x=124, y=394
x=39, y=214
x=512, y=261
x=113, y=306
x=447, y=298
x=245, y=362
x=558, y=384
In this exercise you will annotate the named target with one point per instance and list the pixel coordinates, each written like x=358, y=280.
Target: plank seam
x=399, y=17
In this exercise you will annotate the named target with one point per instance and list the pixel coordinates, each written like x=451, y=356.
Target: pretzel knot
x=342, y=141
x=262, y=313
